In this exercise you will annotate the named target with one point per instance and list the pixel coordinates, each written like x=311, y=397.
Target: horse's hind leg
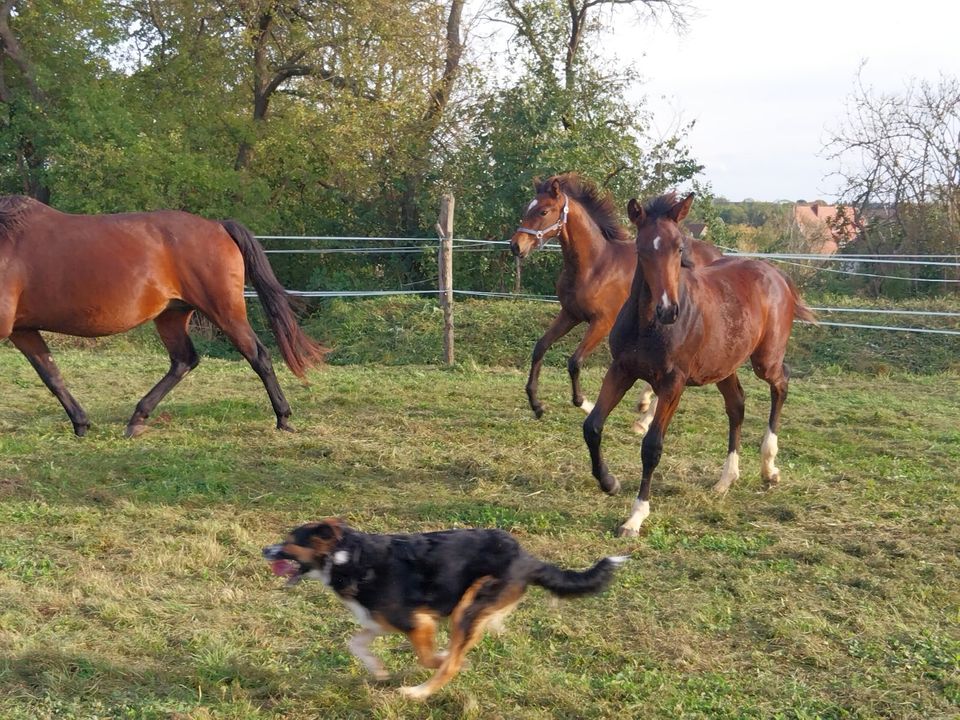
x=778, y=378
x=238, y=330
x=733, y=400
x=172, y=327
x=34, y=347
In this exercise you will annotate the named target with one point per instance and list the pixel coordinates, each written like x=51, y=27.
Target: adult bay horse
x=599, y=262
x=692, y=326
x=96, y=275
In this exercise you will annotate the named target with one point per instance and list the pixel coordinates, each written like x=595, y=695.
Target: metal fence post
x=445, y=267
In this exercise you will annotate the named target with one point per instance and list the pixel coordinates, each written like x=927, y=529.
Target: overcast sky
x=765, y=80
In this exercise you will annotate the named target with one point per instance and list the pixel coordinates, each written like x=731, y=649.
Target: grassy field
x=131, y=584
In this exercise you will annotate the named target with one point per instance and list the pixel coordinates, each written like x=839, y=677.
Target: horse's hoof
x=609, y=484
x=80, y=430
x=133, y=431
x=285, y=426
x=640, y=427
x=538, y=411
x=773, y=480
x=624, y=531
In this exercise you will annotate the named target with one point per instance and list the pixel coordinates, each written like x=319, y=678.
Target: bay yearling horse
x=693, y=326
x=96, y=275
x=599, y=262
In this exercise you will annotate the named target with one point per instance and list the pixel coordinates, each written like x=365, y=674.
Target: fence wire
x=477, y=245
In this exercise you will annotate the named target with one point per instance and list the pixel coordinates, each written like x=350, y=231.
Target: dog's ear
x=328, y=530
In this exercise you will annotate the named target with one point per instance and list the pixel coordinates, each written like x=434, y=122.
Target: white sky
x=765, y=79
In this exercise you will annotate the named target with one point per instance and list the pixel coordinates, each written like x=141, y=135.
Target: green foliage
x=145, y=105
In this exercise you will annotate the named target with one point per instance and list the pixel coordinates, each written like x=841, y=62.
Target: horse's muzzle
x=668, y=315
x=515, y=249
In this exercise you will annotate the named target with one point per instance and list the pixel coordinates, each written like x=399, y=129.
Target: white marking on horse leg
x=639, y=513
x=642, y=424
x=768, y=454
x=646, y=397
x=731, y=471
x=587, y=406
x=359, y=646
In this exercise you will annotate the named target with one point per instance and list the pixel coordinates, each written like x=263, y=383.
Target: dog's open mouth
x=288, y=569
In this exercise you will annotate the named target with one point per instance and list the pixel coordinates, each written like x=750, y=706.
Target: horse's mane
x=13, y=209
x=598, y=203
x=660, y=206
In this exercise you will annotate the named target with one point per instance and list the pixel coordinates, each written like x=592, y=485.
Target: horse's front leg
x=561, y=325
x=35, y=349
x=615, y=384
x=668, y=398
x=596, y=332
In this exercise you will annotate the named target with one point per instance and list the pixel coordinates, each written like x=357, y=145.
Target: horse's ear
x=679, y=211
x=555, y=188
x=536, y=182
x=635, y=212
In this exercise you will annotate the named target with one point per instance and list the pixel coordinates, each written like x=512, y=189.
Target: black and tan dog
x=406, y=583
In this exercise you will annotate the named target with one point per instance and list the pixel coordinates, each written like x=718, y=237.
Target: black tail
x=298, y=350
x=570, y=583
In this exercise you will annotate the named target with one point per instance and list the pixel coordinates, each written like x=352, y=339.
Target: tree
x=572, y=24
x=899, y=158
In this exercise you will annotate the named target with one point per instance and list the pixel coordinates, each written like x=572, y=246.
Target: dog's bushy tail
x=571, y=583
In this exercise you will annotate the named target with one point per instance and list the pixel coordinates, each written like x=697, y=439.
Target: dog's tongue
x=284, y=568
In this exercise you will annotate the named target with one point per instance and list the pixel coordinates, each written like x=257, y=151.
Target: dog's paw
x=415, y=692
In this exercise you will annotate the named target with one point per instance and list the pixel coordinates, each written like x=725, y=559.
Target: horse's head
x=660, y=245
x=543, y=219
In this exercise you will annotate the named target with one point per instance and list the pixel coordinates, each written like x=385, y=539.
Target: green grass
x=131, y=584
x=404, y=331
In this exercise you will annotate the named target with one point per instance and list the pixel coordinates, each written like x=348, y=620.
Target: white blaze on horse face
x=768, y=454
x=532, y=205
x=665, y=301
x=656, y=243
x=731, y=471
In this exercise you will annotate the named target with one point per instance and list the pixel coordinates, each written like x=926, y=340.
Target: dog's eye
x=324, y=532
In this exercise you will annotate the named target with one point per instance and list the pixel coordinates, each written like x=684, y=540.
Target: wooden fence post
x=445, y=267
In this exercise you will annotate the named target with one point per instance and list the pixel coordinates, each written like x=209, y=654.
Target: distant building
x=825, y=228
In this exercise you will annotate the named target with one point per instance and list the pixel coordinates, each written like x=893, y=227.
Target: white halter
x=541, y=235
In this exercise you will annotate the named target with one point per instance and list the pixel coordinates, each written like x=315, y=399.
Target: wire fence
x=848, y=265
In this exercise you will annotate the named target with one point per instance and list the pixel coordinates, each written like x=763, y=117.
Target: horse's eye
x=543, y=212
x=680, y=249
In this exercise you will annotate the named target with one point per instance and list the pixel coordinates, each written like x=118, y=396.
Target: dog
x=407, y=583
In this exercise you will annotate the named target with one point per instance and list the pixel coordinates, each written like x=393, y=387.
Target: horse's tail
x=800, y=311
x=298, y=350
